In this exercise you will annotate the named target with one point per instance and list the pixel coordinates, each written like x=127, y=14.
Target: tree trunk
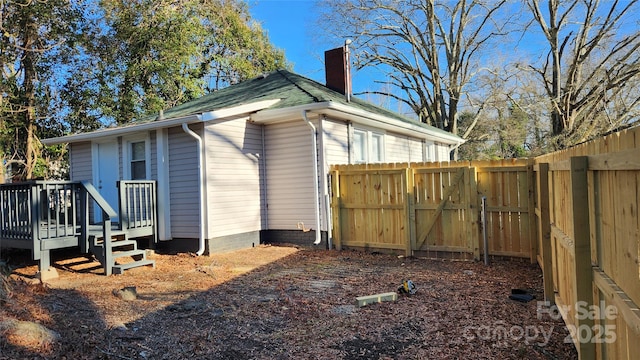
x=30, y=34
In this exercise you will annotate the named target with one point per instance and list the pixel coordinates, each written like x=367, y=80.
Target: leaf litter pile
x=276, y=302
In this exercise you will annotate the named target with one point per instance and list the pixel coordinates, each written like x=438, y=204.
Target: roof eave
x=110, y=132
x=356, y=115
x=165, y=123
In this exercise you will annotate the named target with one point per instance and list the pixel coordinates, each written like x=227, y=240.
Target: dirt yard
x=282, y=303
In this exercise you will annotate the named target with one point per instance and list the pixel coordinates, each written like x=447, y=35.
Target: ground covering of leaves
x=273, y=302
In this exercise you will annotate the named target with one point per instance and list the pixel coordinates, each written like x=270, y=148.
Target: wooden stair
x=122, y=251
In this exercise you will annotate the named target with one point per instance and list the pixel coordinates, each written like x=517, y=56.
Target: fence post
x=533, y=243
x=84, y=225
x=411, y=211
x=544, y=231
x=335, y=210
x=33, y=200
x=473, y=233
x=582, y=256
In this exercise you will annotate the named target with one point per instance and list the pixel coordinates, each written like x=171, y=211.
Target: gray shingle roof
x=291, y=88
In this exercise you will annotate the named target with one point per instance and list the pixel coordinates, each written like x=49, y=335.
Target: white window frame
x=380, y=150
x=428, y=151
x=126, y=155
x=368, y=136
x=363, y=146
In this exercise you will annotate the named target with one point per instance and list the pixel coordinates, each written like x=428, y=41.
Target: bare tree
x=514, y=121
x=430, y=50
x=591, y=66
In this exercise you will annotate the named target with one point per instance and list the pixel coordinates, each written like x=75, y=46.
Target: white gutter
x=453, y=148
x=201, y=243
x=350, y=113
x=164, y=123
x=151, y=125
x=316, y=186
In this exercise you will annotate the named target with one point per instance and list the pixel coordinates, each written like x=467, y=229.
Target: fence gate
x=445, y=218
x=370, y=209
x=432, y=209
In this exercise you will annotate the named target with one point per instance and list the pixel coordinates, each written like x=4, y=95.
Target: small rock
x=127, y=293
x=268, y=298
x=468, y=272
x=344, y=309
x=28, y=333
x=119, y=326
x=187, y=305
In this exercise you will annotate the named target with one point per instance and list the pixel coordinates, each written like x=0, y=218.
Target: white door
x=106, y=174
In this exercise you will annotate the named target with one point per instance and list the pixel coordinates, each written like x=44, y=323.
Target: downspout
x=316, y=186
x=327, y=186
x=201, y=243
x=453, y=148
x=264, y=180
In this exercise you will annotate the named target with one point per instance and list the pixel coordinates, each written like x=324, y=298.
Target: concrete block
x=49, y=274
x=377, y=298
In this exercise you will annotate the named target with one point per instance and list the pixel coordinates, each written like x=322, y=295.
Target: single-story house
x=250, y=162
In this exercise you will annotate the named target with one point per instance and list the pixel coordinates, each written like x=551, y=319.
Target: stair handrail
x=107, y=214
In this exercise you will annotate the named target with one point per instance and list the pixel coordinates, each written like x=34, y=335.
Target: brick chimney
x=338, y=70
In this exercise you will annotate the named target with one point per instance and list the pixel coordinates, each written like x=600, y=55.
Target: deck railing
x=17, y=213
x=138, y=207
x=59, y=204
x=43, y=215
x=38, y=210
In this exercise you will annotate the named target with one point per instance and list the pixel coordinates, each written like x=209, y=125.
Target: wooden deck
x=42, y=216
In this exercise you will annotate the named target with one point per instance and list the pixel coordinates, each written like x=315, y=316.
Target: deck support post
x=45, y=271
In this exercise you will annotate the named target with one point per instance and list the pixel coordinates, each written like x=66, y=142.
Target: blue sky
x=289, y=24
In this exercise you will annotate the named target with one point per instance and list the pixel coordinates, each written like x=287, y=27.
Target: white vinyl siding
x=401, y=148
x=234, y=166
x=80, y=161
x=290, y=179
x=153, y=156
x=415, y=150
x=336, y=142
x=183, y=183
x=442, y=152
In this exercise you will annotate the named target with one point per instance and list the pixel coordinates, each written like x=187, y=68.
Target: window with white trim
x=136, y=158
x=359, y=146
x=377, y=148
x=138, y=163
x=368, y=146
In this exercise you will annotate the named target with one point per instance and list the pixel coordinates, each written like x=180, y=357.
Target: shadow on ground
x=302, y=307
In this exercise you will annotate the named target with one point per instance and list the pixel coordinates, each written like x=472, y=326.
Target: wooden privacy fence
x=589, y=229
x=576, y=211
x=432, y=209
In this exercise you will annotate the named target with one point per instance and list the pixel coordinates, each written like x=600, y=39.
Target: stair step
x=119, y=269
x=98, y=234
x=121, y=254
x=100, y=240
x=117, y=244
